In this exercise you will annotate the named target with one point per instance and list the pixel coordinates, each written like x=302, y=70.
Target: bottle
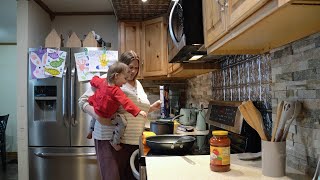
x=220, y=151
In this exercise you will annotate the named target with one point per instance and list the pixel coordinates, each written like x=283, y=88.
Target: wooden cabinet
x=154, y=47
x=148, y=40
x=129, y=39
x=257, y=26
x=238, y=10
x=214, y=21
x=188, y=70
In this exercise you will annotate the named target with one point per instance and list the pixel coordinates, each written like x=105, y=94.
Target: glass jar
x=220, y=151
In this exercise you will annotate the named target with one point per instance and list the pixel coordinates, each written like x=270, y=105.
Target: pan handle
x=174, y=118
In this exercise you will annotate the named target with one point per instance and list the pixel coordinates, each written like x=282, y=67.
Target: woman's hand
x=104, y=121
x=155, y=106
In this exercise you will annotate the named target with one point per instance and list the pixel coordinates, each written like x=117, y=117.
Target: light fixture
x=144, y=0
x=195, y=57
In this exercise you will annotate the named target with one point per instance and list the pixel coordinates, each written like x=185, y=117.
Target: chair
x=3, y=125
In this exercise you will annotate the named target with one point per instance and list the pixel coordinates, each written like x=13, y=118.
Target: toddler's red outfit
x=107, y=99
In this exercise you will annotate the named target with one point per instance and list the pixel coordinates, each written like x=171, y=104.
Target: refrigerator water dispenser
x=45, y=98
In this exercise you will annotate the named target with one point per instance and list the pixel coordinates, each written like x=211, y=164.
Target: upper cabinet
x=148, y=40
x=154, y=47
x=214, y=21
x=238, y=10
x=257, y=26
x=129, y=37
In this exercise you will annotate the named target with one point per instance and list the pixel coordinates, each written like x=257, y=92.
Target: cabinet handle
x=222, y=5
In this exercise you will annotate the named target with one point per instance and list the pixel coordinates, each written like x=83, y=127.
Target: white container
x=273, y=158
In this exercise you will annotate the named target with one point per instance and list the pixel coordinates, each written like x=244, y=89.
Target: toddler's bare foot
x=89, y=136
x=117, y=147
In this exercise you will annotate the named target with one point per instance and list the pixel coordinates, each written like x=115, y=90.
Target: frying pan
x=170, y=144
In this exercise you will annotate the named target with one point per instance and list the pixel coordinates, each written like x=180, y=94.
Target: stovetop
x=200, y=147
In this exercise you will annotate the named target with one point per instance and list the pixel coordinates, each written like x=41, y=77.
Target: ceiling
x=125, y=10
x=137, y=10
x=79, y=5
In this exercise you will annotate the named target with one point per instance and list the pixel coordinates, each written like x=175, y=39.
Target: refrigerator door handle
x=42, y=154
x=73, y=118
x=64, y=106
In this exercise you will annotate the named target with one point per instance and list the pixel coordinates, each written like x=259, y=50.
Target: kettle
x=201, y=122
x=189, y=116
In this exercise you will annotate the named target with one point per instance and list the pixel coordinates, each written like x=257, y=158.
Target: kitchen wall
x=291, y=72
x=8, y=94
x=33, y=25
x=296, y=76
x=104, y=25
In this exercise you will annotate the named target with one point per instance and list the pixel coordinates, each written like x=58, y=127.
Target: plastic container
x=220, y=151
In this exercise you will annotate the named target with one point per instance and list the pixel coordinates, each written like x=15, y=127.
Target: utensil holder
x=273, y=158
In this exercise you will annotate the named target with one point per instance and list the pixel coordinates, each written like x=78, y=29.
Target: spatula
x=296, y=112
x=287, y=113
x=276, y=122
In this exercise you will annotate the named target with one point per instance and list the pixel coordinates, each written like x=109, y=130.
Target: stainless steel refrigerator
x=58, y=147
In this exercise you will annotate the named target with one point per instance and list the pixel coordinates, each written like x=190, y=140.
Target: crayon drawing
x=99, y=60
x=55, y=62
x=82, y=64
x=38, y=59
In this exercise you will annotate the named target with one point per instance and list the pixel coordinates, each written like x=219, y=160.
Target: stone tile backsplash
x=296, y=76
x=241, y=78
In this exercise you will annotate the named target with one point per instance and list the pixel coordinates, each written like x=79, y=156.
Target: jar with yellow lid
x=220, y=151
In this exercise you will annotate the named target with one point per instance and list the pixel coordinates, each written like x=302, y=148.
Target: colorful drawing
x=38, y=59
x=55, y=62
x=82, y=64
x=101, y=60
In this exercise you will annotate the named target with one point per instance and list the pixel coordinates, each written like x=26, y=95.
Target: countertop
x=196, y=167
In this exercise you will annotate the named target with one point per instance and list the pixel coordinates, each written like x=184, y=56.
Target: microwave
x=185, y=30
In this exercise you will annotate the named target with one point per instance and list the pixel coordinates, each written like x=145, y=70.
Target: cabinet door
x=214, y=23
x=154, y=47
x=129, y=39
x=238, y=10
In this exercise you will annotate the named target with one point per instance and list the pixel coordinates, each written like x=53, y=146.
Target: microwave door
x=80, y=120
x=176, y=24
x=47, y=114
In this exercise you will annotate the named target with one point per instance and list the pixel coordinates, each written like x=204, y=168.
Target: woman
x=114, y=164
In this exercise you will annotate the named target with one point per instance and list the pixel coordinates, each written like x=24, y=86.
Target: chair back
x=3, y=123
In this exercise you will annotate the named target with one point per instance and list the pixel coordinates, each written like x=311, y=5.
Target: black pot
x=161, y=127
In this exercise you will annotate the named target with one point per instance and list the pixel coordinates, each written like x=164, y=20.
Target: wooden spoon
x=257, y=119
x=253, y=119
x=276, y=122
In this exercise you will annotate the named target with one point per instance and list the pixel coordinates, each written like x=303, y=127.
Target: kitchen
x=291, y=63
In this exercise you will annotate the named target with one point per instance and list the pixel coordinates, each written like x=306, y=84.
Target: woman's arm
x=90, y=110
x=155, y=106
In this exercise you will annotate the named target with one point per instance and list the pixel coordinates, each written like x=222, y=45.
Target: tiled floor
x=11, y=173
